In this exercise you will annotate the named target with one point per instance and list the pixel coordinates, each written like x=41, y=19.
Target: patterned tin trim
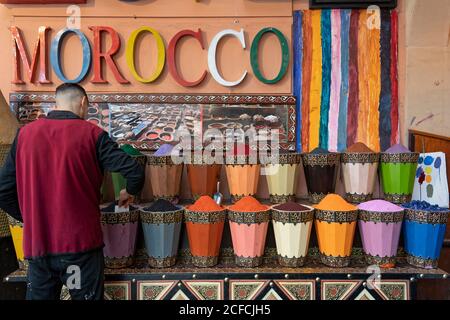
x=315, y=197
x=335, y=262
x=358, y=197
x=162, y=262
x=283, y=158
x=292, y=217
x=163, y=98
x=327, y=159
x=204, y=262
x=422, y=262
x=291, y=262
x=23, y=264
x=160, y=161
x=281, y=198
x=118, y=263
x=242, y=160
x=381, y=217
x=201, y=159
x=14, y=223
x=360, y=157
x=236, y=197
x=370, y=259
x=336, y=216
x=162, y=217
x=204, y=217
x=169, y=198
x=406, y=157
x=397, y=198
x=120, y=217
x=430, y=217
x=248, y=262
x=249, y=217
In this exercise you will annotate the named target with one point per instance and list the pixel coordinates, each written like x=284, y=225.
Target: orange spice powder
x=248, y=204
x=205, y=204
x=335, y=202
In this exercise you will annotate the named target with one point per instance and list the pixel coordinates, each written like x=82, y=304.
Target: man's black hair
x=71, y=87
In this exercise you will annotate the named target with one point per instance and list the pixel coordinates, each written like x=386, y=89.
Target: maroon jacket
x=59, y=164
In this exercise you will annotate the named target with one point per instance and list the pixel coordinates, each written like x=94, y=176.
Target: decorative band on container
x=358, y=197
x=397, y=198
x=406, y=157
x=241, y=160
x=336, y=216
x=204, y=262
x=281, y=198
x=120, y=217
x=160, y=161
x=283, y=158
x=336, y=262
x=316, y=197
x=381, y=217
x=248, y=262
x=292, y=216
x=204, y=217
x=249, y=217
x=14, y=222
x=370, y=259
x=201, y=159
x=161, y=262
x=430, y=217
x=360, y=157
x=162, y=217
x=328, y=159
x=291, y=262
x=118, y=263
x=425, y=263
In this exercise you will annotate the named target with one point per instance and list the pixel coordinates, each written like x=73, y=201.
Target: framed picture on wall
x=331, y=4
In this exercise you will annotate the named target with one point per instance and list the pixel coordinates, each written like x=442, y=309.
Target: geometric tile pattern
x=364, y=295
x=179, y=295
x=114, y=290
x=206, y=290
x=154, y=290
x=393, y=290
x=338, y=289
x=298, y=289
x=272, y=295
x=246, y=289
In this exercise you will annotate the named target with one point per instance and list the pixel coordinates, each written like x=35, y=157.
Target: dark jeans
x=81, y=273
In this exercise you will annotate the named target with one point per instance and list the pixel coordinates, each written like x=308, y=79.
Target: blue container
x=162, y=236
x=424, y=233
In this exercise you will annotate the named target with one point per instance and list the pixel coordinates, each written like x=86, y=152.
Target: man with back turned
x=51, y=181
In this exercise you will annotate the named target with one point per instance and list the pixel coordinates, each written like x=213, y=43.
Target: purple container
x=380, y=223
x=119, y=236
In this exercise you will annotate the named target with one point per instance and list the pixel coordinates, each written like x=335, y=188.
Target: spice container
x=203, y=176
x=249, y=220
x=242, y=175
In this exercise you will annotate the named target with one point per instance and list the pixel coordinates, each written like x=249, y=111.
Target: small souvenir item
x=161, y=223
x=335, y=228
x=204, y=224
x=380, y=223
x=359, y=166
x=292, y=224
x=320, y=173
x=398, y=168
x=424, y=233
x=249, y=220
x=119, y=227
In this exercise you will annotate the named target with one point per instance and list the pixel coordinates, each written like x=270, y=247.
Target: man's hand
x=125, y=198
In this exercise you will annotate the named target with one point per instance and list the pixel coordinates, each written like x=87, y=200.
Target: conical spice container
x=292, y=224
x=164, y=176
x=243, y=176
x=320, y=174
x=359, y=172
x=424, y=233
x=282, y=177
x=204, y=224
x=335, y=228
x=162, y=235
x=119, y=236
x=203, y=176
x=397, y=175
x=249, y=221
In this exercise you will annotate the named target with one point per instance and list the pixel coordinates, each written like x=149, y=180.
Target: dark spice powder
x=291, y=206
x=161, y=205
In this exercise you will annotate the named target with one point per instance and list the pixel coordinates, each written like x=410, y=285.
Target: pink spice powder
x=379, y=206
